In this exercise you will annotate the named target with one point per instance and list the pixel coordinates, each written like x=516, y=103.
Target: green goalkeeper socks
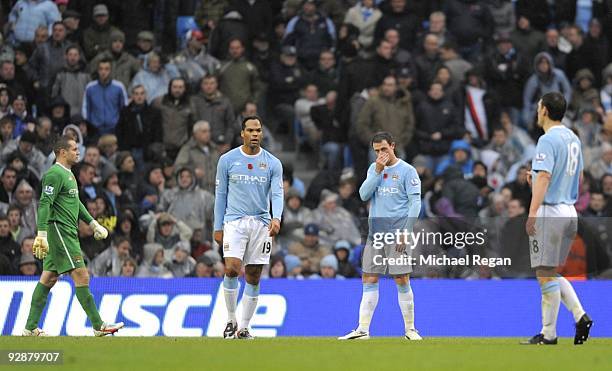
x=89, y=306
x=39, y=300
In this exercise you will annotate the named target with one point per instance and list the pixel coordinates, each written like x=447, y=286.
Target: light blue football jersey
x=391, y=191
x=246, y=185
x=559, y=153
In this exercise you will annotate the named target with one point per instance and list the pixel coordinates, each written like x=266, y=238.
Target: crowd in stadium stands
x=152, y=109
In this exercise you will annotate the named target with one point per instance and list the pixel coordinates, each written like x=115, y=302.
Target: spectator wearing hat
x=238, y=78
x=123, y=65
x=145, y=44
x=310, y=32
x=231, y=26
x=127, y=226
x=182, y=263
x=24, y=146
x=97, y=37
x=293, y=267
x=48, y=60
x=193, y=62
x=139, y=125
x=104, y=99
x=71, y=81
x=59, y=113
x=154, y=263
x=18, y=162
x=584, y=93
x=204, y=268
x=27, y=15
x=72, y=20
x=213, y=106
x=342, y=251
x=328, y=268
x=200, y=154
x=295, y=216
x=545, y=78
x=309, y=250
x=364, y=15
x=189, y=203
x=167, y=231
x=335, y=220
x=28, y=266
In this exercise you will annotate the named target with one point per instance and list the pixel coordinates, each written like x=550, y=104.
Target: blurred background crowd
x=153, y=91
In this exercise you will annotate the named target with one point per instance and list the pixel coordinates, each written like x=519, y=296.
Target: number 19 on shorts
x=267, y=246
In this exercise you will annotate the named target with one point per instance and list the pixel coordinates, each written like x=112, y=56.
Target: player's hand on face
x=40, y=248
x=381, y=161
x=530, y=226
x=400, y=247
x=218, y=237
x=274, y=227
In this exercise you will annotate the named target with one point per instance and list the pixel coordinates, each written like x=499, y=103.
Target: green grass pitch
x=163, y=353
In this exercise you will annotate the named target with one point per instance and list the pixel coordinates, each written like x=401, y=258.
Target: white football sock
x=369, y=300
x=551, y=299
x=249, y=304
x=405, y=299
x=230, y=293
x=570, y=299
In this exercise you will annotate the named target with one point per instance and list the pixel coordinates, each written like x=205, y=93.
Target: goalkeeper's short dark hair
x=62, y=142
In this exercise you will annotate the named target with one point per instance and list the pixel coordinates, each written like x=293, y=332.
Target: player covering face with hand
x=57, y=241
x=249, y=178
x=552, y=222
x=394, y=190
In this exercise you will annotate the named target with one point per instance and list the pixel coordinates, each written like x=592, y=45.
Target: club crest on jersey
x=262, y=166
x=77, y=258
x=49, y=190
x=395, y=177
x=540, y=157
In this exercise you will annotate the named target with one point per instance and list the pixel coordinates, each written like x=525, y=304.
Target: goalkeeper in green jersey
x=57, y=242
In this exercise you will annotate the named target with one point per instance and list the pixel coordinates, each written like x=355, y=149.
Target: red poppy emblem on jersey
x=385, y=176
x=250, y=166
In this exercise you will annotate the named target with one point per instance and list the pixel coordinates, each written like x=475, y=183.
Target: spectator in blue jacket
x=104, y=99
x=27, y=15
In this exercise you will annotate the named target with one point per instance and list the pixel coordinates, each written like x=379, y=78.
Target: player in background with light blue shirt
x=393, y=188
x=249, y=178
x=552, y=222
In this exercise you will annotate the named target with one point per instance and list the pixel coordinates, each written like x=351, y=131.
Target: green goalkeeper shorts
x=64, y=249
